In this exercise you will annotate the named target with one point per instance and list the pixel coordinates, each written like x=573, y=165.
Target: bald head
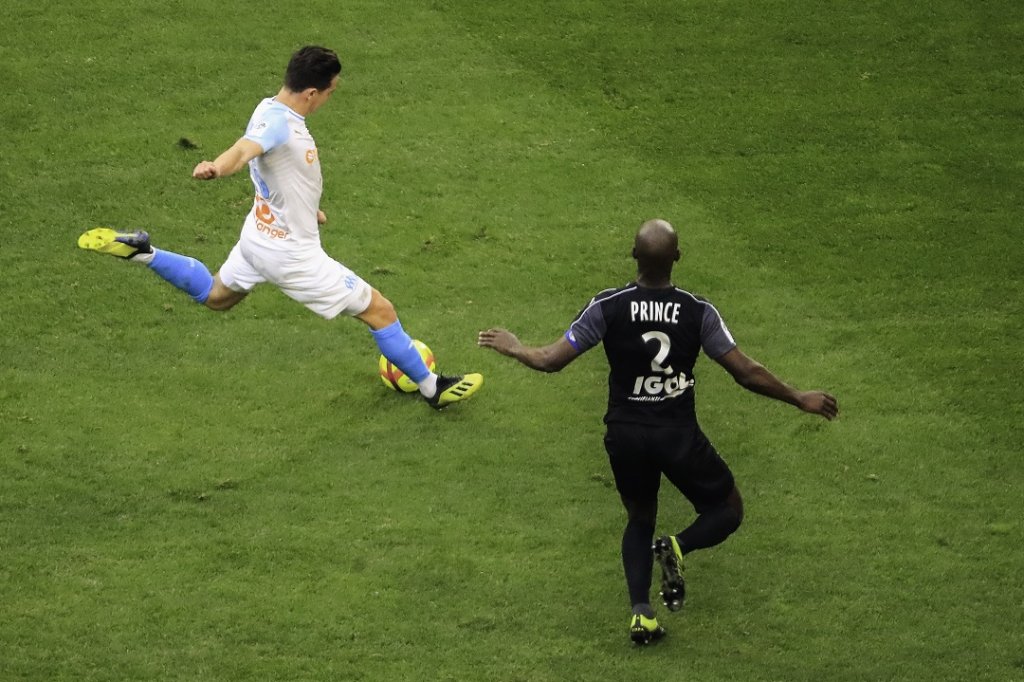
x=656, y=249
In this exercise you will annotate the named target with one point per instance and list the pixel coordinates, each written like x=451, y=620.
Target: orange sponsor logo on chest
x=311, y=155
x=265, y=219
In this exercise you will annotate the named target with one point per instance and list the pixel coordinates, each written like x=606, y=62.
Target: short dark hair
x=311, y=67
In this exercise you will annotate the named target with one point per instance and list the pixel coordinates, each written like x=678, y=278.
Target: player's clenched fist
x=205, y=170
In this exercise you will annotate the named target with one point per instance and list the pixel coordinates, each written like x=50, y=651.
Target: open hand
x=819, y=402
x=501, y=340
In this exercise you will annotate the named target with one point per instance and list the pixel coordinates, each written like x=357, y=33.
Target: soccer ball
x=395, y=379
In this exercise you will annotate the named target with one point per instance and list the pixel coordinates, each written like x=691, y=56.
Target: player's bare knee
x=223, y=299
x=218, y=305
x=385, y=308
x=380, y=313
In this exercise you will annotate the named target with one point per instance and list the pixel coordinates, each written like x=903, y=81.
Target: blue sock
x=397, y=347
x=184, y=272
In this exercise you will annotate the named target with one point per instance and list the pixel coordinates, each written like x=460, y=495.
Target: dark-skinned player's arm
x=550, y=358
x=755, y=377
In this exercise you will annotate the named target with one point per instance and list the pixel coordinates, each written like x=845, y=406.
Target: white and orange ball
x=395, y=379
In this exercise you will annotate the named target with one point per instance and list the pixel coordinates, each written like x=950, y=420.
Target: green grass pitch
x=187, y=495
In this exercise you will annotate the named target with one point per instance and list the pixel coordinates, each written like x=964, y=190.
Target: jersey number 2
x=664, y=346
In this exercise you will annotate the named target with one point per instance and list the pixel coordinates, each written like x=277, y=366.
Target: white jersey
x=287, y=180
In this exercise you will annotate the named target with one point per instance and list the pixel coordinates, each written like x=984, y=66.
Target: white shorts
x=312, y=278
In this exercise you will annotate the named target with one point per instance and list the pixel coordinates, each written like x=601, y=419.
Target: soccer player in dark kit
x=652, y=333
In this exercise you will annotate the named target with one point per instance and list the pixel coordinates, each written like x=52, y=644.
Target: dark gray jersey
x=652, y=338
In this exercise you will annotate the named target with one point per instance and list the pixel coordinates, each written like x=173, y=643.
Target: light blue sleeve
x=268, y=131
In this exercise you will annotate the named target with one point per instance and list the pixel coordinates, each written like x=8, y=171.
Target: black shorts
x=640, y=454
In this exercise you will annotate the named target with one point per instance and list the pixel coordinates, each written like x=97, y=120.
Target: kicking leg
x=396, y=345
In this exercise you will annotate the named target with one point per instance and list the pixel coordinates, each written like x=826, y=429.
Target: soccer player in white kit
x=280, y=239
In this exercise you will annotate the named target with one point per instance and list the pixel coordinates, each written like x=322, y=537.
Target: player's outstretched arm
x=755, y=377
x=550, y=358
x=232, y=160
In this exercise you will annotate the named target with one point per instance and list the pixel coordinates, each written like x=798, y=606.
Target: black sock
x=637, y=560
x=711, y=527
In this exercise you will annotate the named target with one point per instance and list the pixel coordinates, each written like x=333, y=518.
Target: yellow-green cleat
x=120, y=244
x=453, y=389
x=670, y=558
x=644, y=630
